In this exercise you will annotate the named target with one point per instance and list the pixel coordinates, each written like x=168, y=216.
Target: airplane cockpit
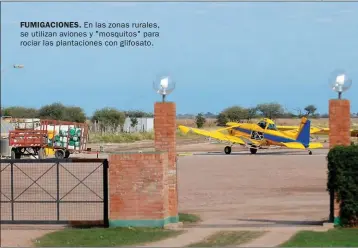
x=262, y=124
x=267, y=124
x=272, y=126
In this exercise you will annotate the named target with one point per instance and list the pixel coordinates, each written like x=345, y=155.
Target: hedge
x=343, y=182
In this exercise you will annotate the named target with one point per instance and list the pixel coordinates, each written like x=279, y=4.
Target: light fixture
x=165, y=87
x=340, y=82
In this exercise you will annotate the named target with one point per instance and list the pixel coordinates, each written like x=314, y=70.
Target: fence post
x=12, y=189
x=105, y=193
x=58, y=189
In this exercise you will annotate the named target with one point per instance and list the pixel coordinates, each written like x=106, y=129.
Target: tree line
x=105, y=119
x=271, y=110
x=109, y=119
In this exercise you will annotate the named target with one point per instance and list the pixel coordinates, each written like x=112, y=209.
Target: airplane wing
x=286, y=128
x=294, y=130
x=217, y=135
x=297, y=145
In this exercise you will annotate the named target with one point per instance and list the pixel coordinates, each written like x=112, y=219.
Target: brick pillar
x=165, y=140
x=339, y=134
x=138, y=189
x=339, y=123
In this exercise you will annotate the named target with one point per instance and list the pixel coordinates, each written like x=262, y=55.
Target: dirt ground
x=271, y=188
x=281, y=187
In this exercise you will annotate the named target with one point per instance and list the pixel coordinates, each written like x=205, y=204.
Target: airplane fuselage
x=270, y=137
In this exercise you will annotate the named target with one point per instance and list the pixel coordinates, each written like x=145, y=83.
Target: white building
x=143, y=125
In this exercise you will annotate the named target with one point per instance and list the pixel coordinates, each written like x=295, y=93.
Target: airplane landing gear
x=309, y=152
x=227, y=150
x=253, y=150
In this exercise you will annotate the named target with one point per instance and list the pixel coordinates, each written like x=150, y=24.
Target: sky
x=219, y=55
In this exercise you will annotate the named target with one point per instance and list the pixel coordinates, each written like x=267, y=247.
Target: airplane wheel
x=227, y=150
x=253, y=150
x=310, y=152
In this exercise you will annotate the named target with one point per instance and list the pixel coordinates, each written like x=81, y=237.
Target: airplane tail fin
x=303, y=135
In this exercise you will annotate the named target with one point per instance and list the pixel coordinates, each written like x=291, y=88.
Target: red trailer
x=27, y=142
x=61, y=137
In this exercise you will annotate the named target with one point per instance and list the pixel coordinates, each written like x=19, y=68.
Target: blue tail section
x=304, y=132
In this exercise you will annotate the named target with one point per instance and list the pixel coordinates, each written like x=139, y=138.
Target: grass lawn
x=96, y=237
x=332, y=238
x=188, y=218
x=228, y=238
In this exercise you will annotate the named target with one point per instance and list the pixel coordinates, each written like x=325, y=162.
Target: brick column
x=339, y=123
x=138, y=189
x=165, y=140
x=339, y=134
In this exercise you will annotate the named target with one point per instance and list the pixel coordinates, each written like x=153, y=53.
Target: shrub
x=343, y=181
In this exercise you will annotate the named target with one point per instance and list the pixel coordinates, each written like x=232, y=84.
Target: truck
x=37, y=137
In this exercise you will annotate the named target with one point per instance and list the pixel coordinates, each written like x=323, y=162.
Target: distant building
x=143, y=125
x=6, y=127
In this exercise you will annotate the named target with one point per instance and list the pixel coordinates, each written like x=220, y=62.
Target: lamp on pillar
x=339, y=127
x=164, y=86
x=340, y=82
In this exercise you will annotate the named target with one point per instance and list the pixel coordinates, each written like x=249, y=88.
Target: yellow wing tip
x=184, y=129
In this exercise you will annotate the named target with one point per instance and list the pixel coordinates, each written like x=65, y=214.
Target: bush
x=343, y=181
x=200, y=120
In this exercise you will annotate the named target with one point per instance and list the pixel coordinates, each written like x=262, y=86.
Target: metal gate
x=52, y=191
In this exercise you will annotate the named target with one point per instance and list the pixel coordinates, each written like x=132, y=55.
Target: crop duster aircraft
x=260, y=135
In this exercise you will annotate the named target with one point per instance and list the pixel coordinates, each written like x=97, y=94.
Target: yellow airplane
x=260, y=135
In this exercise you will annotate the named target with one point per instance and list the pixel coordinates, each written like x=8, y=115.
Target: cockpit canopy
x=267, y=124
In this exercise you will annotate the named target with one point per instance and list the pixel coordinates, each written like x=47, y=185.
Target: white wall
x=144, y=125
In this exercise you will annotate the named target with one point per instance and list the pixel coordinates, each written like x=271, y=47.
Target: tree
x=20, y=112
x=311, y=110
x=200, y=120
x=251, y=113
x=221, y=119
x=137, y=114
x=109, y=118
x=270, y=110
x=235, y=113
x=134, y=121
x=54, y=111
x=75, y=114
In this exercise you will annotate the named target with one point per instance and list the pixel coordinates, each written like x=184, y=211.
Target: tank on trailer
x=65, y=137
